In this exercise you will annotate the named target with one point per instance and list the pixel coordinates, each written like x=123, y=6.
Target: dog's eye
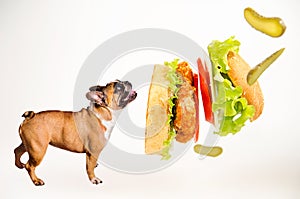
x=119, y=87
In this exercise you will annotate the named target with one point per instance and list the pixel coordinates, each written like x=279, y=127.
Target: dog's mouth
x=131, y=96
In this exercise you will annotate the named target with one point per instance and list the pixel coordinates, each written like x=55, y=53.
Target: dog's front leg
x=91, y=163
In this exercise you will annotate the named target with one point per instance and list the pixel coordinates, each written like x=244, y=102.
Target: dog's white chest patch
x=109, y=125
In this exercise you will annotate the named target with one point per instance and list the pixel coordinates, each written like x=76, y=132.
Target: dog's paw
x=20, y=165
x=38, y=182
x=96, y=180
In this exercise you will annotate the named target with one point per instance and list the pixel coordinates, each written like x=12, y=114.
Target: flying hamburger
x=172, y=109
x=228, y=100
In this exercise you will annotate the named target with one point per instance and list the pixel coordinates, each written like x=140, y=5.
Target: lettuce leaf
x=173, y=86
x=218, y=53
x=230, y=105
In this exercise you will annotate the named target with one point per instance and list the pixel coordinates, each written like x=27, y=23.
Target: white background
x=43, y=45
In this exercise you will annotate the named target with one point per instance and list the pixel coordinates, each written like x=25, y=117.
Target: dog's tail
x=28, y=115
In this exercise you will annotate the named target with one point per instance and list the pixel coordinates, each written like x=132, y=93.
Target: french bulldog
x=86, y=131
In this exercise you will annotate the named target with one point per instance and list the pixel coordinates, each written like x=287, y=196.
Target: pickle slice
x=272, y=26
x=208, y=151
x=254, y=73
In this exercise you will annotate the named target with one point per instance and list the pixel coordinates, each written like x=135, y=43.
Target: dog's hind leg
x=35, y=158
x=30, y=167
x=19, y=151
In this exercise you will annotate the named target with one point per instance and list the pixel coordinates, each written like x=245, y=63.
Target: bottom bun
x=157, y=127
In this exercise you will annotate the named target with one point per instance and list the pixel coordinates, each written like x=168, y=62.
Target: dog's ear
x=97, y=97
x=96, y=88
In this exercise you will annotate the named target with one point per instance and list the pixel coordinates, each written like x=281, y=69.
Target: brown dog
x=86, y=131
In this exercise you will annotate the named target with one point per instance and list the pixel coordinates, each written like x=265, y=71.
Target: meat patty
x=185, y=110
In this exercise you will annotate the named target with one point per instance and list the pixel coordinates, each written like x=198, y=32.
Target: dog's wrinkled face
x=115, y=95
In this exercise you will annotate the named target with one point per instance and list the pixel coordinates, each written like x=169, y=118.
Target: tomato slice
x=196, y=81
x=205, y=92
x=203, y=71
